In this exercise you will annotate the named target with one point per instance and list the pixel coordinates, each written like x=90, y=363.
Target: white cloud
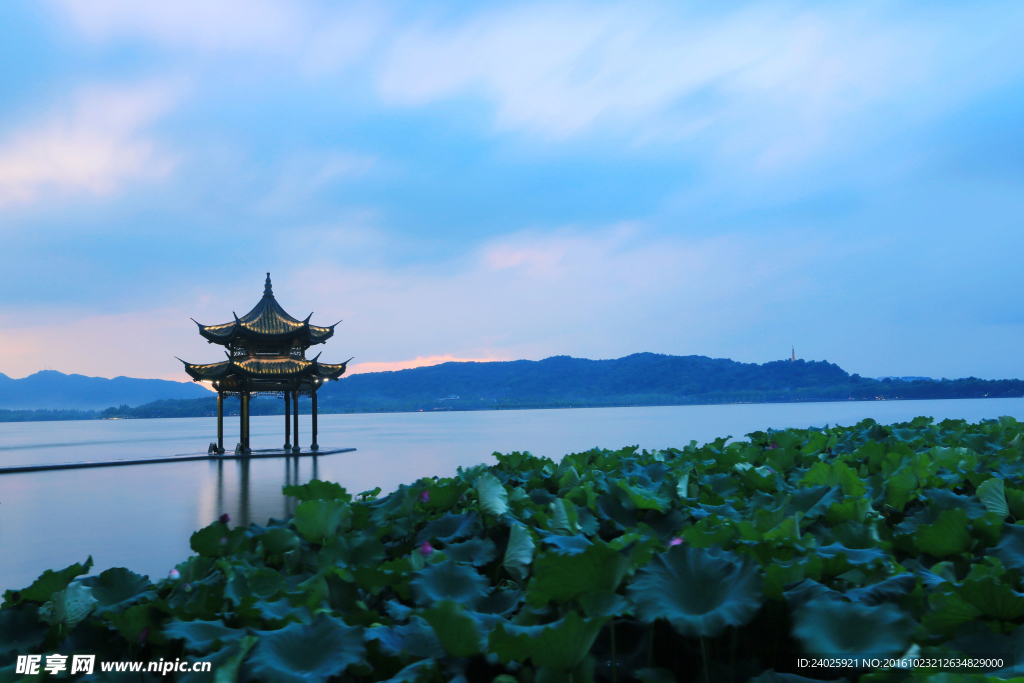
x=777, y=80
x=96, y=146
x=207, y=24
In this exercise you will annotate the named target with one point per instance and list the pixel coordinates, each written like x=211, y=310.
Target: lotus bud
x=188, y=587
x=425, y=548
x=174, y=575
x=225, y=518
x=144, y=634
x=425, y=496
x=675, y=541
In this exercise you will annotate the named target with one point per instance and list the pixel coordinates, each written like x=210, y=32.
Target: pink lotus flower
x=425, y=548
x=425, y=496
x=174, y=575
x=225, y=518
x=675, y=541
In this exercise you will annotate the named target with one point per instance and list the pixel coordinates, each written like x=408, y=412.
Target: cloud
x=96, y=146
x=776, y=80
x=206, y=24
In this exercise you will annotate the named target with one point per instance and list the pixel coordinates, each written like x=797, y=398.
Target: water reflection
x=235, y=495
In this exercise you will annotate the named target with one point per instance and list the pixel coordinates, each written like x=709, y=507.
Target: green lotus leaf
x=560, y=523
x=1010, y=550
x=138, y=624
x=561, y=578
x=69, y=606
x=519, y=552
x=947, y=612
x=458, y=631
x=837, y=629
x=993, y=497
x=118, y=588
x=307, y=653
x=450, y=528
x=20, y=628
x=279, y=540
x=569, y=479
x=449, y=581
x=814, y=501
x=417, y=672
x=944, y=499
x=699, y=592
x=415, y=639
x=217, y=540
x=947, y=536
x=318, y=520
x=638, y=498
x=318, y=490
x=605, y=604
x=224, y=663
x=994, y=597
x=566, y=545
x=444, y=496
x=492, y=495
x=500, y=602
x=202, y=636
x=477, y=551
x=560, y=645
x=835, y=474
x=48, y=583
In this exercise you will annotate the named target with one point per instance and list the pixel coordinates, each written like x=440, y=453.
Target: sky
x=495, y=181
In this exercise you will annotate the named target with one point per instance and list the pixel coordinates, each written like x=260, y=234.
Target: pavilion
x=266, y=350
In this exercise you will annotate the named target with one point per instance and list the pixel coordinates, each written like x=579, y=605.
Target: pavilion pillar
x=245, y=421
x=314, y=446
x=287, y=422
x=295, y=420
x=220, y=422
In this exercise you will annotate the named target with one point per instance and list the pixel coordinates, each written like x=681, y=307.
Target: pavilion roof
x=267, y=321
x=282, y=368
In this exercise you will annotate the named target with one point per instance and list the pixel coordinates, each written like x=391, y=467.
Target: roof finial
x=267, y=289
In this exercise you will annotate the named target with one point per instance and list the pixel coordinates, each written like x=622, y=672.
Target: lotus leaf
x=318, y=490
x=699, y=592
x=458, y=631
x=307, y=653
x=450, y=528
x=118, y=588
x=493, y=496
x=947, y=536
x=319, y=520
x=561, y=578
x=201, y=636
x=560, y=645
x=993, y=497
x=837, y=629
x=48, y=583
x=69, y=606
x=477, y=552
x=449, y=581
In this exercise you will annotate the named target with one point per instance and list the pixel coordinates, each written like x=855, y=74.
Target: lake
x=142, y=516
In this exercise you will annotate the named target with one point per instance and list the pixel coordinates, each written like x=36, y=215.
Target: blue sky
x=515, y=180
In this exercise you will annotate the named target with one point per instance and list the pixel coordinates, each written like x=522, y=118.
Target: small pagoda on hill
x=266, y=350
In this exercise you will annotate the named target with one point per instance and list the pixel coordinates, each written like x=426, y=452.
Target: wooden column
x=220, y=422
x=314, y=446
x=287, y=422
x=245, y=412
x=295, y=421
x=241, y=422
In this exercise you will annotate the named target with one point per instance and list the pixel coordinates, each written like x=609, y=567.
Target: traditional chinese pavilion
x=266, y=350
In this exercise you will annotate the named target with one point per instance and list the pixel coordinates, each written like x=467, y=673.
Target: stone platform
x=261, y=453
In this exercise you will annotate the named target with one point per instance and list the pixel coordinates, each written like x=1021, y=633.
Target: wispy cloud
x=95, y=146
x=777, y=79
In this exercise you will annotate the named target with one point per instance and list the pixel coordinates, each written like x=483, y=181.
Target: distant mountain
x=52, y=390
x=557, y=382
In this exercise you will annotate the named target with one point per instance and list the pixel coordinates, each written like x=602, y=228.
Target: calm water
x=141, y=516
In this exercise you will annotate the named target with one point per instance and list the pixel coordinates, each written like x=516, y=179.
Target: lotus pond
x=730, y=561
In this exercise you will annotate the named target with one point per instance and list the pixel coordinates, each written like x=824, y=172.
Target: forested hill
x=56, y=391
x=561, y=381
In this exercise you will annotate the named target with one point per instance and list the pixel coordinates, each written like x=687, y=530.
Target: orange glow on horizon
x=419, y=362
